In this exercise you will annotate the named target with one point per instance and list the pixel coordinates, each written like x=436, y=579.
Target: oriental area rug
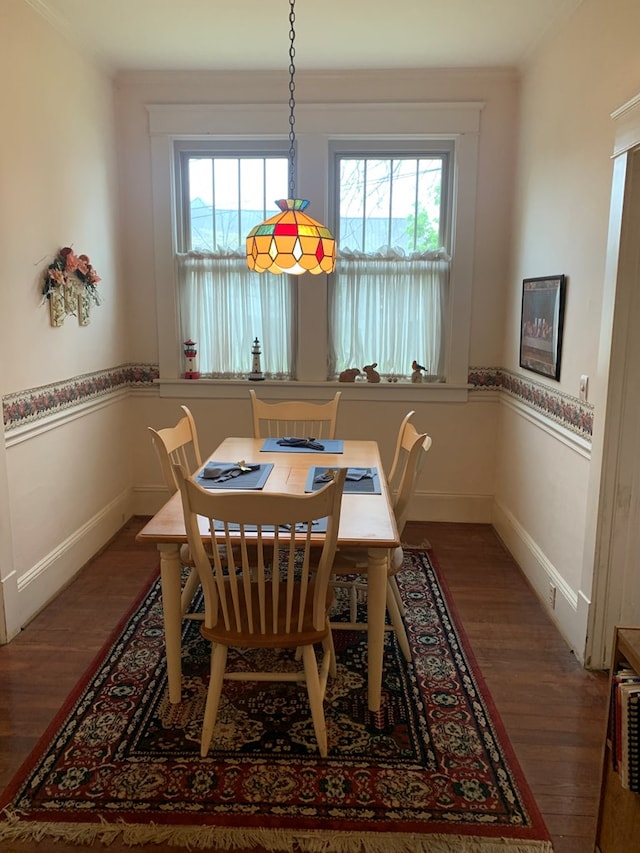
x=432, y=772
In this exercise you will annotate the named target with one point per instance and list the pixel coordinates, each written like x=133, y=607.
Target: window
x=390, y=290
x=224, y=195
x=317, y=318
x=392, y=201
x=223, y=305
x=392, y=270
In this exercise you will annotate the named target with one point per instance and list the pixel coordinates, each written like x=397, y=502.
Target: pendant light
x=291, y=241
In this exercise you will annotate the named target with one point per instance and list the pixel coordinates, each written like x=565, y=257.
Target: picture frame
x=541, y=323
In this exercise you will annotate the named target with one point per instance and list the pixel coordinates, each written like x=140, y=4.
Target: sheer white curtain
x=389, y=308
x=224, y=307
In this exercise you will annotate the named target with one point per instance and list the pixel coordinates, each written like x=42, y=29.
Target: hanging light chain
x=292, y=101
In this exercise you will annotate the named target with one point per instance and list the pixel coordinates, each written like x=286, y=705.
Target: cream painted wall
x=498, y=89
x=540, y=457
x=59, y=187
x=564, y=171
x=462, y=465
x=67, y=179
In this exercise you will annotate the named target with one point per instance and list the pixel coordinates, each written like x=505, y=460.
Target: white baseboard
x=26, y=595
x=9, y=596
x=570, y=609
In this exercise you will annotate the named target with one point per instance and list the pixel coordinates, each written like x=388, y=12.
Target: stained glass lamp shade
x=291, y=242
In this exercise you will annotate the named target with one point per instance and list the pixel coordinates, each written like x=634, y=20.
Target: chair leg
x=396, y=621
x=353, y=602
x=396, y=592
x=218, y=665
x=330, y=655
x=315, y=698
x=189, y=590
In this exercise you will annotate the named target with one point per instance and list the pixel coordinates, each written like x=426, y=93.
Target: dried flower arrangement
x=74, y=270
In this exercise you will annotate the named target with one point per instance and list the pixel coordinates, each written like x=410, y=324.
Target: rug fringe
x=273, y=840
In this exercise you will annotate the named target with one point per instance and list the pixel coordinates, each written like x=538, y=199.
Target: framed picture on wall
x=541, y=324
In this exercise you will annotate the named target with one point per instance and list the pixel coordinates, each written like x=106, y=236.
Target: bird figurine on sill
x=416, y=376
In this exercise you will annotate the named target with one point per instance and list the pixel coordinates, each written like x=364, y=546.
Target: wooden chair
x=274, y=590
x=411, y=448
x=296, y=418
x=179, y=445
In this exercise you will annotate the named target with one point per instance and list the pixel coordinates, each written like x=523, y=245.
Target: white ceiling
x=331, y=34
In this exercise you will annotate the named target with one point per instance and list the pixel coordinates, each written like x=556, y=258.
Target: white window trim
x=317, y=126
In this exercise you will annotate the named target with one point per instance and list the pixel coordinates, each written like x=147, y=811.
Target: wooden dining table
x=366, y=521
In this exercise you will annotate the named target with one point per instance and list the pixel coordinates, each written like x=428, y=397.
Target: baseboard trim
x=27, y=594
x=569, y=613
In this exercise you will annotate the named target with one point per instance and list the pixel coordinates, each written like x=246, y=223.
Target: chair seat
x=243, y=637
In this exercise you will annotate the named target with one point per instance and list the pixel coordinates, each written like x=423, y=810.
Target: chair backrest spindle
x=275, y=580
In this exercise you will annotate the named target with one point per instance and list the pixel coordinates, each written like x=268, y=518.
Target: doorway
x=614, y=488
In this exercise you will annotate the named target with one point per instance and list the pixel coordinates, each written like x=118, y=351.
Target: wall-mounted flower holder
x=57, y=304
x=70, y=299
x=70, y=287
x=84, y=309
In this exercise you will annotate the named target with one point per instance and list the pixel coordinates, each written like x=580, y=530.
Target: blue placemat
x=319, y=526
x=254, y=479
x=330, y=445
x=360, y=481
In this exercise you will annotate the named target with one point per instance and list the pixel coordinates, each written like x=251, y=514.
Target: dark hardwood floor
x=553, y=709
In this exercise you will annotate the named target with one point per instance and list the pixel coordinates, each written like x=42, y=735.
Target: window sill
x=271, y=389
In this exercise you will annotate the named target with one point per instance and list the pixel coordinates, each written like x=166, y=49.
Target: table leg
x=376, y=610
x=170, y=578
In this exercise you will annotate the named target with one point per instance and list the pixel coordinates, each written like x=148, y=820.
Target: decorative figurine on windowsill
x=371, y=372
x=349, y=375
x=256, y=374
x=416, y=376
x=190, y=355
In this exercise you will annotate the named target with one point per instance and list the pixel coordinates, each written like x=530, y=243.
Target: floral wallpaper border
x=571, y=413
x=35, y=403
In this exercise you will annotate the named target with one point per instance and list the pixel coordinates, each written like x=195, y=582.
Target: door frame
x=612, y=543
